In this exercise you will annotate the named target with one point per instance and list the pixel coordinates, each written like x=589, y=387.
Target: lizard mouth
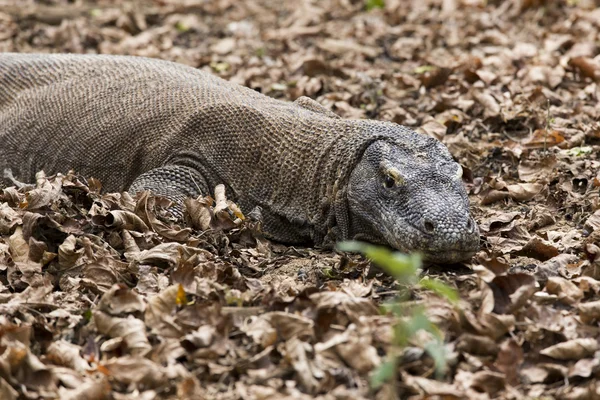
x=434, y=247
x=449, y=256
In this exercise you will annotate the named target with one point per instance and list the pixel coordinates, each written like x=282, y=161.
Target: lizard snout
x=443, y=223
x=449, y=236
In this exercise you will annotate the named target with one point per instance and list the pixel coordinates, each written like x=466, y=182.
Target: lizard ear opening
x=312, y=105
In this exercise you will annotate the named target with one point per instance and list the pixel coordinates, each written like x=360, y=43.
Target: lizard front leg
x=174, y=182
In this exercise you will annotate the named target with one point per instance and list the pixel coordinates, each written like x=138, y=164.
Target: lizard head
x=409, y=194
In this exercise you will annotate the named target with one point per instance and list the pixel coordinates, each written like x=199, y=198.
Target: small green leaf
x=328, y=273
x=279, y=86
x=372, y=4
x=418, y=321
x=424, y=68
x=87, y=315
x=441, y=289
x=383, y=373
x=580, y=151
x=401, y=266
x=219, y=66
x=437, y=351
x=181, y=27
x=233, y=299
x=411, y=318
x=393, y=307
x=260, y=52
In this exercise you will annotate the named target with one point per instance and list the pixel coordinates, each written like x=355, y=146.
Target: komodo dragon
x=138, y=123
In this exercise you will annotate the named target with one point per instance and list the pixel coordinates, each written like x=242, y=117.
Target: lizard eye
x=389, y=181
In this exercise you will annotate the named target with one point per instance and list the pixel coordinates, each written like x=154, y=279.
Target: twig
x=547, y=127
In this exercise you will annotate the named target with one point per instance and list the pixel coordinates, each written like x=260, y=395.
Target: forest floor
x=93, y=309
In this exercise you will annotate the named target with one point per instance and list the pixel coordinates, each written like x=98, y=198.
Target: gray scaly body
x=137, y=123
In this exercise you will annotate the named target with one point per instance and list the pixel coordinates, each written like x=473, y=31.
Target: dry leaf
x=524, y=191
x=587, y=67
x=567, y=291
x=131, y=330
x=572, y=350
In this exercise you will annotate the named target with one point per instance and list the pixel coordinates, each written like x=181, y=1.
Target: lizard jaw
x=435, y=247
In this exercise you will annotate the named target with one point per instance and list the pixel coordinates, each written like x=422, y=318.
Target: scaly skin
x=137, y=123
x=416, y=199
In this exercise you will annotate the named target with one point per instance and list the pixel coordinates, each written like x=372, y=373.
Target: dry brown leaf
x=539, y=249
x=593, y=222
x=136, y=371
x=308, y=373
x=24, y=368
x=68, y=355
x=497, y=265
x=358, y=352
x=121, y=219
x=164, y=255
x=189, y=389
x=572, y=350
x=224, y=46
x=9, y=218
x=589, y=311
x=499, y=221
x=433, y=128
x=67, y=255
x=160, y=313
x=488, y=381
x=511, y=292
x=489, y=324
x=491, y=108
x=198, y=212
x=46, y=192
x=584, y=368
x=103, y=273
x=18, y=246
x=92, y=390
x=121, y=300
x=434, y=76
x=146, y=210
x=537, y=170
x=554, y=266
x=355, y=307
x=534, y=374
x=6, y=391
x=540, y=139
x=587, y=67
x=290, y=325
x=524, y=191
x=588, y=285
x=260, y=330
x=430, y=387
x=509, y=360
x=477, y=345
x=202, y=337
x=130, y=330
x=567, y=291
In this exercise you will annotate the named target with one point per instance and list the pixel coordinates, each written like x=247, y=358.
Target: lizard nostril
x=429, y=227
x=470, y=225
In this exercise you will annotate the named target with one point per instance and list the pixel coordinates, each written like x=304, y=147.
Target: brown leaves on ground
x=123, y=307
x=103, y=296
